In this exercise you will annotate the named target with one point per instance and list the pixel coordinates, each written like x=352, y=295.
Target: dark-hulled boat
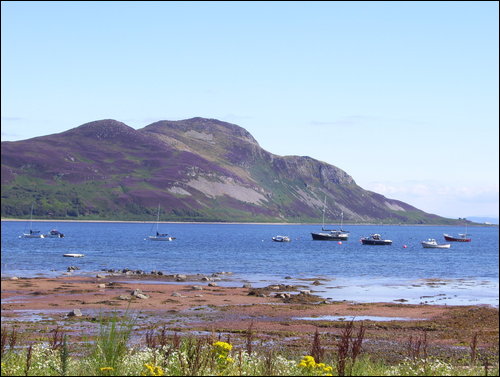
x=330, y=234
x=375, y=239
x=462, y=237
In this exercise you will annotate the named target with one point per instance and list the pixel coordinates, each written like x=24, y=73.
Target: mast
x=324, y=207
x=31, y=218
x=158, y=218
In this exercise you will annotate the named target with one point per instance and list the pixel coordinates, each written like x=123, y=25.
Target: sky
x=403, y=96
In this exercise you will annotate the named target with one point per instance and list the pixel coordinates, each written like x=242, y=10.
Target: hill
x=198, y=170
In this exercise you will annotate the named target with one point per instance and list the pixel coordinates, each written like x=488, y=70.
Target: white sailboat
x=32, y=233
x=160, y=236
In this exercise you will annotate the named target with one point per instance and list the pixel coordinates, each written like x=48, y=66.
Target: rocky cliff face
x=197, y=169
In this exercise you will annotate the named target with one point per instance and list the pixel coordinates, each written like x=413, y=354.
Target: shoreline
x=196, y=304
x=230, y=223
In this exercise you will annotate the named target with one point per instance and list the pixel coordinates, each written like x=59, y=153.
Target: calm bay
x=465, y=274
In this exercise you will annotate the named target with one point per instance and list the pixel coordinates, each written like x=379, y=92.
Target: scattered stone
x=212, y=284
x=141, y=295
x=136, y=292
x=14, y=278
x=125, y=297
x=101, y=285
x=305, y=292
x=247, y=285
x=99, y=276
x=197, y=288
x=180, y=277
x=204, y=278
x=75, y=313
x=177, y=294
x=316, y=282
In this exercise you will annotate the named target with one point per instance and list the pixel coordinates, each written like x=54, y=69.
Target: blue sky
x=403, y=96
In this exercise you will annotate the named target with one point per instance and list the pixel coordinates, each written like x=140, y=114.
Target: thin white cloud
x=445, y=200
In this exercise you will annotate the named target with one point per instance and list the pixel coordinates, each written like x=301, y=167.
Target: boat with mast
x=462, y=237
x=331, y=234
x=160, y=236
x=32, y=233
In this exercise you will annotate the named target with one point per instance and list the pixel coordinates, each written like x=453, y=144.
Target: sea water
x=466, y=273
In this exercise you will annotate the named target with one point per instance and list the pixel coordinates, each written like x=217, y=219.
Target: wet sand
x=275, y=314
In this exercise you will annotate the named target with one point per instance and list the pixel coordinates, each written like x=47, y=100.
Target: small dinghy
x=432, y=244
x=73, y=255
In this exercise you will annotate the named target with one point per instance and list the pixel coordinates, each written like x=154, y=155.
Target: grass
x=161, y=352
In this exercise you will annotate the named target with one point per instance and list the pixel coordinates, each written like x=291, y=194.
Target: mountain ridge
x=200, y=169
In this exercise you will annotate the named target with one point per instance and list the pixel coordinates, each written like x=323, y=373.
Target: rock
x=124, y=297
x=305, y=292
x=196, y=288
x=75, y=313
x=204, y=278
x=99, y=276
x=212, y=284
x=247, y=285
x=274, y=287
x=14, y=278
x=136, y=292
x=141, y=295
x=316, y=282
x=177, y=294
x=101, y=285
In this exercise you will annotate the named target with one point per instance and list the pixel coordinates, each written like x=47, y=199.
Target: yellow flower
x=223, y=346
x=104, y=369
x=153, y=370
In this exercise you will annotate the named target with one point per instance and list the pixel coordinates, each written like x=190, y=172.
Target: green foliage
x=110, y=355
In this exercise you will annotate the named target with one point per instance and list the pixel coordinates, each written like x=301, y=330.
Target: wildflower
x=152, y=370
x=105, y=369
x=221, y=351
x=222, y=347
x=310, y=366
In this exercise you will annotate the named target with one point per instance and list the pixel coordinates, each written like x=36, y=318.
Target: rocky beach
x=284, y=315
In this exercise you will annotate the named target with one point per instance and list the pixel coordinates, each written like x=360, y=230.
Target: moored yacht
x=375, y=239
x=331, y=234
